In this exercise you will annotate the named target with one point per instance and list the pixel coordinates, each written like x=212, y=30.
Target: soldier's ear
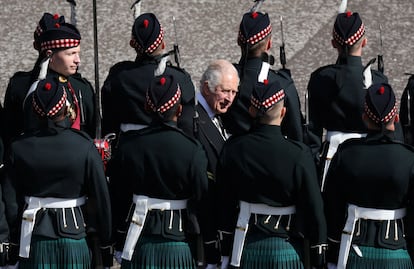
x=283, y=112
x=397, y=118
x=364, y=42
x=179, y=110
x=269, y=44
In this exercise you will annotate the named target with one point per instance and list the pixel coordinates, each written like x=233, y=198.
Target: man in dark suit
x=218, y=88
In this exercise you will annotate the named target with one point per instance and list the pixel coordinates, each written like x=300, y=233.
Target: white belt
x=355, y=213
x=246, y=209
x=34, y=204
x=125, y=127
x=142, y=205
x=335, y=138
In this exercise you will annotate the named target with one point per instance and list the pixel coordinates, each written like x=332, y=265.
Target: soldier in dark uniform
x=337, y=91
x=255, y=41
x=270, y=182
x=369, y=190
x=4, y=229
x=164, y=173
x=21, y=81
x=218, y=87
x=123, y=93
x=15, y=120
x=407, y=111
x=52, y=173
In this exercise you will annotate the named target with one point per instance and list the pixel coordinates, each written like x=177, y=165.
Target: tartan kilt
x=157, y=252
x=62, y=253
x=270, y=252
x=379, y=258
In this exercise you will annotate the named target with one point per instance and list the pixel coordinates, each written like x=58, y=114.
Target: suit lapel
x=209, y=130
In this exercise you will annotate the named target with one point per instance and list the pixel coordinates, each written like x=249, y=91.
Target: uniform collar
x=147, y=59
x=54, y=127
x=266, y=128
x=381, y=135
x=252, y=61
x=350, y=60
x=170, y=123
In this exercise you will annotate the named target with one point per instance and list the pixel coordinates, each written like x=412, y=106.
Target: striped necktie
x=217, y=121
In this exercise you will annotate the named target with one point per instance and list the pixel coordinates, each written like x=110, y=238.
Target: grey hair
x=214, y=73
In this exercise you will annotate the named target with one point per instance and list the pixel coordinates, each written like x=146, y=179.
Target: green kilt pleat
x=264, y=252
x=379, y=258
x=157, y=252
x=62, y=253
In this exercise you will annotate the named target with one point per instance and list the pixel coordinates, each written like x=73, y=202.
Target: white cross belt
x=355, y=213
x=142, y=205
x=34, y=204
x=246, y=209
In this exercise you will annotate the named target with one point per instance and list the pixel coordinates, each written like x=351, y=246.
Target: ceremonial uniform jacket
x=263, y=166
x=4, y=229
x=212, y=141
x=16, y=93
x=337, y=96
x=372, y=172
x=17, y=88
x=238, y=120
x=124, y=95
x=58, y=162
x=160, y=162
x=407, y=111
